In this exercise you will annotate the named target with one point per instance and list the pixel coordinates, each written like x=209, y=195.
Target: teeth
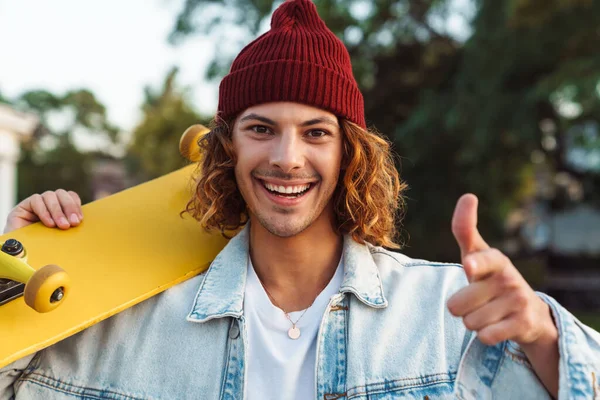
x=286, y=189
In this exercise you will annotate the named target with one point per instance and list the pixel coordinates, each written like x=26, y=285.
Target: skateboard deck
x=130, y=246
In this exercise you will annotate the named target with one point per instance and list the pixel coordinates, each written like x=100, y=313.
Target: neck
x=296, y=269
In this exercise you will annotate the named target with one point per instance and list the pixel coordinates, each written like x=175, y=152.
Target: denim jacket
x=387, y=334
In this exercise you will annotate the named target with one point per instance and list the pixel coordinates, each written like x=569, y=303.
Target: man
x=304, y=302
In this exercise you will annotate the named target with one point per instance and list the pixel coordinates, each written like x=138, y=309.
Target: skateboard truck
x=44, y=289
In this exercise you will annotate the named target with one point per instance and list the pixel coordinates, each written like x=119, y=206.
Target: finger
x=23, y=214
x=36, y=204
x=69, y=208
x=77, y=201
x=53, y=206
x=492, y=312
x=18, y=218
x=499, y=332
x=472, y=297
x=464, y=225
x=482, y=264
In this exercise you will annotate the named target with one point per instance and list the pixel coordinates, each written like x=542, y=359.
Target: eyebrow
x=258, y=118
x=314, y=121
x=322, y=120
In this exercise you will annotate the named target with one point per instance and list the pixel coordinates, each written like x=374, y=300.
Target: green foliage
x=476, y=129
x=590, y=319
x=50, y=159
x=79, y=109
x=61, y=167
x=4, y=100
x=153, y=150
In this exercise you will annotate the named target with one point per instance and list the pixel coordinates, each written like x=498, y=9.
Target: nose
x=287, y=152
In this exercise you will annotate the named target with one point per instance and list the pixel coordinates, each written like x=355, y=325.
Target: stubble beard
x=288, y=229
x=284, y=224
x=292, y=226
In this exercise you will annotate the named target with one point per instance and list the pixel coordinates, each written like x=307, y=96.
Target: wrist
x=543, y=352
x=548, y=336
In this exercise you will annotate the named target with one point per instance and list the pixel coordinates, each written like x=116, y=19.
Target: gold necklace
x=294, y=331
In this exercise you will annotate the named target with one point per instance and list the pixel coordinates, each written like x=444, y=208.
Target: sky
x=112, y=47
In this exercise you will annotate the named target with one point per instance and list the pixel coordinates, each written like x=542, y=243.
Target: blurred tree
x=50, y=160
x=4, y=99
x=153, y=150
x=466, y=108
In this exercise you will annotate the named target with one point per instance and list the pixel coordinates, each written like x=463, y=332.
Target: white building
x=15, y=127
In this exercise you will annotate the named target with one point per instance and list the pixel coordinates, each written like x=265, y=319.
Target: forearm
x=543, y=355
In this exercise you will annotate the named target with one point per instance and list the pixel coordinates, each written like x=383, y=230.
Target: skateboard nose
x=188, y=144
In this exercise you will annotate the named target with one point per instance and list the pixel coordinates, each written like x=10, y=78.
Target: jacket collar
x=361, y=274
x=221, y=293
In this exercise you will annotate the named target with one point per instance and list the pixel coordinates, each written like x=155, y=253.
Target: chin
x=285, y=229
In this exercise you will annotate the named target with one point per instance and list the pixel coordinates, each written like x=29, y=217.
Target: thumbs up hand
x=498, y=303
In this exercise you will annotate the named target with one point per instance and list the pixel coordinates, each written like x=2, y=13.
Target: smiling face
x=288, y=164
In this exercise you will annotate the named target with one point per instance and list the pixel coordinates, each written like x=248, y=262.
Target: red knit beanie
x=298, y=60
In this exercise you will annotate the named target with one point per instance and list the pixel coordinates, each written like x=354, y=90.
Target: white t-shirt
x=279, y=367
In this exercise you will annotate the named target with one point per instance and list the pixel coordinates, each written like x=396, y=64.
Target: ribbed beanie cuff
x=294, y=81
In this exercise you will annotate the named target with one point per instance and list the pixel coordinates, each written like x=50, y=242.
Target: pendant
x=294, y=332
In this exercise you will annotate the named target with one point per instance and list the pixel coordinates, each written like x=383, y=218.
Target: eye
x=260, y=129
x=317, y=133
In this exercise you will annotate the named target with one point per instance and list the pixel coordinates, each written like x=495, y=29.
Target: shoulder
x=396, y=259
x=416, y=293
x=127, y=349
x=159, y=313
x=434, y=278
x=171, y=305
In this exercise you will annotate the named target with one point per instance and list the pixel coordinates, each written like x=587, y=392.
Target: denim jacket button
x=234, y=332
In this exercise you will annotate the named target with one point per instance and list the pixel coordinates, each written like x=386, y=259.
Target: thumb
x=464, y=226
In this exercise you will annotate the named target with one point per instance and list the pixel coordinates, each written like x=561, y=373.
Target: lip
x=283, y=182
x=284, y=201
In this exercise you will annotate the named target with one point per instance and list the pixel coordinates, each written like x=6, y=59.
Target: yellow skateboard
x=130, y=246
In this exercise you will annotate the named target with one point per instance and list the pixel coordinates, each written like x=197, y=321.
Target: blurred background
x=500, y=98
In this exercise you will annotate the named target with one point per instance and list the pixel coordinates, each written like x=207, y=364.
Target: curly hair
x=367, y=201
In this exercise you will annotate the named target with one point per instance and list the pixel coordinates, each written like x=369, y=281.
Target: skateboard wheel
x=188, y=144
x=47, y=288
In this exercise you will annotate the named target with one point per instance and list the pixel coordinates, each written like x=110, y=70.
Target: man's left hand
x=498, y=303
